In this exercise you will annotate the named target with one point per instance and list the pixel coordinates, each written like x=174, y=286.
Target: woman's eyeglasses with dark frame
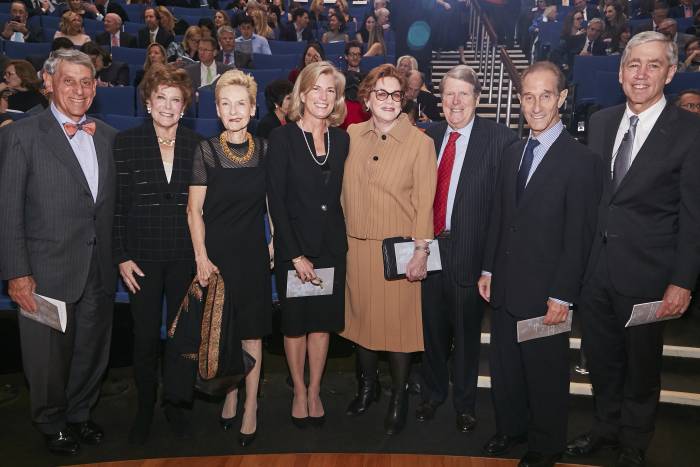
x=383, y=94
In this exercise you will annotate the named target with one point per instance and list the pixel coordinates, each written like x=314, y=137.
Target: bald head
x=668, y=28
x=113, y=23
x=414, y=83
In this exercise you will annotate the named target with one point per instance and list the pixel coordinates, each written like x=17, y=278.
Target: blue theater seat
x=123, y=122
x=285, y=47
x=135, y=12
x=22, y=50
x=48, y=21
x=368, y=63
x=267, y=62
x=584, y=75
x=683, y=81
x=130, y=56
x=608, y=91
x=117, y=101
x=132, y=27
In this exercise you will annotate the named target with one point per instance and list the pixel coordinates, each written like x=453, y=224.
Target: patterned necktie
x=227, y=58
x=590, y=46
x=115, y=40
x=443, y=182
x=88, y=126
x=623, y=158
x=209, y=76
x=525, y=167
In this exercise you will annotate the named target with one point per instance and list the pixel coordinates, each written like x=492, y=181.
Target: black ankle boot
x=396, y=415
x=367, y=392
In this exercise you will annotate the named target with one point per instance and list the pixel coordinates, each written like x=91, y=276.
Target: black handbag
x=389, y=256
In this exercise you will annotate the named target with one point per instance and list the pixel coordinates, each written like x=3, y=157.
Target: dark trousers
x=624, y=363
x=172, y=278
x=450, y=312
x=529, y=384
x=64, y=371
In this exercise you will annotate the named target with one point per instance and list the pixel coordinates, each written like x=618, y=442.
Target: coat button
x=324, y=207
x=168, y=196
x=376, y=158
x=383, y=137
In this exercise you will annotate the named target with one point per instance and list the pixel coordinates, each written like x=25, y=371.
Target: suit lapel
x=104, y=159
x=472, y=157
x=58, y=145
x=510, y=170
x=440, y=130
x=660, y=137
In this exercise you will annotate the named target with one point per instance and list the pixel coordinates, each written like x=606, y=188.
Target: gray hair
x=116, y=17
x=225, y=28
x=410, y=58
x=597, y=20
x=651, y=36
x=67, y=55
x=463, y=73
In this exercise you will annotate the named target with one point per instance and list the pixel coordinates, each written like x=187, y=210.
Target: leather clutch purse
x=398, y=251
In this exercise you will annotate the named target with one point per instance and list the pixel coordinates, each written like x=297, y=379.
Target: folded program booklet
x=50, y=312
x=535, y=328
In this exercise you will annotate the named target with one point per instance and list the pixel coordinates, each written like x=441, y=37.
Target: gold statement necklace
x=231, y=155
x=166, y=142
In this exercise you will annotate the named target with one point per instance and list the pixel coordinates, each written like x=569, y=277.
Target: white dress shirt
x=460, y=153
x=647, y=120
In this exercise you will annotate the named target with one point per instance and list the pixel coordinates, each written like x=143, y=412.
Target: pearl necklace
x=328, y=144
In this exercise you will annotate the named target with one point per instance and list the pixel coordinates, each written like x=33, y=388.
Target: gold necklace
x=166, y=141
x=235, y=157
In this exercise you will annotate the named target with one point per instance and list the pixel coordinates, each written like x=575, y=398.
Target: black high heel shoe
x=227, y=423
x=246, y=439
x=317, y=422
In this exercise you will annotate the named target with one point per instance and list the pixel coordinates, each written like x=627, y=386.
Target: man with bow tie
x=57, y=190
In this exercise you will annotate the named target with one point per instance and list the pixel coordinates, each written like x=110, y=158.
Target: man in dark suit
x=646, y=247
x=228, y=55
x=17, y=29
x=425, y=100
x=590, y=43
x=685, y=9
x=589, y=11
x=660, y=13
x=104, y=7
x=153, y=32
x=113, y=35
x=207, y=70
x=469, y=151
x=298, y=30
x=540, y=234
x=57, y=189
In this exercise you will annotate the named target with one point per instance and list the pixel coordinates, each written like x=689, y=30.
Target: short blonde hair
x=306, y=80
x=237, y=78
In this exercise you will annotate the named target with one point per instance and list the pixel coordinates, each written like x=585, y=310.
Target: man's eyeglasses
x=691, y=106
x=382, y=95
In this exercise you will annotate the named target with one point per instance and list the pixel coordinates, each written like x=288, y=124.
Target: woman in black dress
x=225, y=212
x=305, y=176
x=152, y=243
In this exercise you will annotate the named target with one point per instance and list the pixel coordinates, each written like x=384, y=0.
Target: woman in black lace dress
x=225, y=212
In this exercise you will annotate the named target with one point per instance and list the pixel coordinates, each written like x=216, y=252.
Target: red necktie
x=115, y=40
x=88, y=126
x=443, y=183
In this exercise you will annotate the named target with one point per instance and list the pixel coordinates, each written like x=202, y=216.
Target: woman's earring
x=182, y=114
x=148, y=109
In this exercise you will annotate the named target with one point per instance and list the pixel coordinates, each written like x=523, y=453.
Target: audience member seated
x=85, y=10
x=353, y=57
x=171, y=24
x=383, y=18
x=603, y=4
x=206, y=25
x=262, y=29
x=17, y=29
x=589, y=11
x=249, y=42
x=40, y=7
x=71, y=27
x=659, y=14
x=221, y=18
x=22, y=84
x=410, y=108
x=572, y=26
x=362, y=36
x=108, y=73
x=685, y=9
x=590, y=43
x=426, y=101
x=692, y=56
x=689, y=100
x=615, y=20
x=105, y=7
x=375, y=44
x=695, y=28
x=113, y=35
x=155, y=54
x=5, y=116
x=278, y=101
x=334, y=33
x=37, y=60
x=313, y=53
x=622, y=39
x=524, y=22
x=317, y=14
x=152, y=32
x=406, y=63
x=228, y=55
x=298, y=30
x=208, y=70
x=669, y=28
x=185, y=52
x=549, y=15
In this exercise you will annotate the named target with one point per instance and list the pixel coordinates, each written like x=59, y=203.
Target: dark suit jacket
x=538, y=248
x=125, y=40
x=652, y=222
x=52, y=223
x=163, y=37
x=429, y=105
x=150, y=222
x=35, y=33
x=240, y=59
x=679, y=11
x=194, y=73
x=117, y=74
x=576, y=43
x=290, y=34
x=475, y=192
x=114, y=7
x=297, y=196
x=592, y=12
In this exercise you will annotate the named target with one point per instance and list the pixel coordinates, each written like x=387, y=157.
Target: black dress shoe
x=466, y=422
x=426, y=410
x=300, y=422
x=500, y=444
x=395, y=418
x=537, y=459
x=317, y=422
x=630, y=457
x=63, y=442
x=87, y=432
x=367, y=393
x=588, y=444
